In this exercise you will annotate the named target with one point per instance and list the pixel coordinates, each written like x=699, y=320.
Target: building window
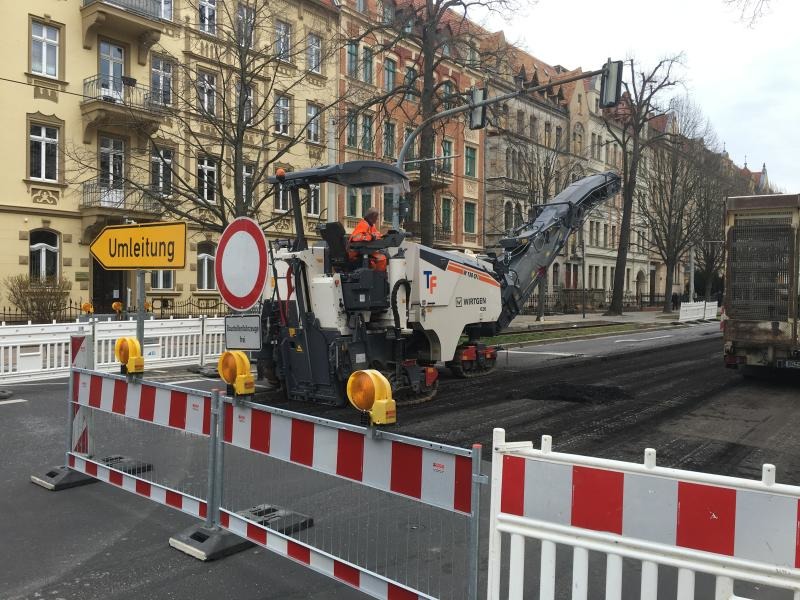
x=410, y=83
x=247, y=182
x=282, y=115
x=313, y=112
x=207, y=179
x=469, y=217
x=366, y=65
x=245, y=104
x=352, y=201
x=43, y=157
x=447, y=151
x=245, y=23
x=161, y=280
x=207, y=92
x=282, y=200
x=161, y=81
x=389, y=73
x=389, y=134
x=166, y=10
x=366, y=200
x=388, y=203
x=283, y=40
x=43, y=263
x=470, y=161
x=447, y=214
x=352, y=59
x=44, y=49
x=366, y=132
x=312, y=202
x=314, y=53
x=352, y=128
x=205, y=266
x=161, y=171
x=208, y=16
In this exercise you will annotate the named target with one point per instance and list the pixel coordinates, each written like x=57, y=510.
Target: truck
x=760, y=324
x=328, y=316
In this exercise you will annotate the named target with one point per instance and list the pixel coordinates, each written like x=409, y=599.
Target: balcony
x=112, y=101
x=141, y=20
x=101, y=196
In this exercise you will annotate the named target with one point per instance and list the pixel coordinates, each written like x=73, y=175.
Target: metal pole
x=211, y=500
x=140, y=308
x=583, y=270
x=474, y=525
x=691, y=273
x=220, y=458
x=466, y=108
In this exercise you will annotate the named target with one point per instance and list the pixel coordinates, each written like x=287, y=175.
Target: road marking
x=15, y=401
x=658, y=337
x=544, y=353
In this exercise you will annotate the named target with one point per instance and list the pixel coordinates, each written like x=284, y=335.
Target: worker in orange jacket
x=366, y=231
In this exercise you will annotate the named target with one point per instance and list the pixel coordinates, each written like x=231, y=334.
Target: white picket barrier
x=730, y=528
x=30, y=352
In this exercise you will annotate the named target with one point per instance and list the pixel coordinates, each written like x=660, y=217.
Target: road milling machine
x=326, y=316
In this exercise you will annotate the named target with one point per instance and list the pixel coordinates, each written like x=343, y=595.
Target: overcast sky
x=745, y=79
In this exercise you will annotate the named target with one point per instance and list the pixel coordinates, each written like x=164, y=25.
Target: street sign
x=243, y=332
x=145, y=246
x=240, y=265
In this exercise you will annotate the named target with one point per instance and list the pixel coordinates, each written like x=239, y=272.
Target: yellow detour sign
x=146, y=246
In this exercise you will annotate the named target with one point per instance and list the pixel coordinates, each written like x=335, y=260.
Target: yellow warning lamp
x=234, y=369
x=370, y=392
x=128, y=352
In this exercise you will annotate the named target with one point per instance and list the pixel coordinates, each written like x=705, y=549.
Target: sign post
x=141, y=247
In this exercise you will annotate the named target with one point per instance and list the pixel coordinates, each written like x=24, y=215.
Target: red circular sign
x=240, y=265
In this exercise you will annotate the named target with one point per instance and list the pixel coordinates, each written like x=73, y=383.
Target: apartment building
x=125, y=111
x=379, y=88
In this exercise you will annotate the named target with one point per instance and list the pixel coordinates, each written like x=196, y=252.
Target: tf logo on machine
x=458, y=301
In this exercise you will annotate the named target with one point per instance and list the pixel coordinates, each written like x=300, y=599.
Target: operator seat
x=334, y=235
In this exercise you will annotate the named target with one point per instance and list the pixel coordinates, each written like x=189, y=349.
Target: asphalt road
x=608, y=397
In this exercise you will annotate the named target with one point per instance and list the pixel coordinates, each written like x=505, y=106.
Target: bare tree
x=226, y=105
x=629, y=125
x=751, y=10
x=669, y=207
x=443, y=33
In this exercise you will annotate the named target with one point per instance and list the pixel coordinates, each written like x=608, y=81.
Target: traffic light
x=234, y=369
x=611, y=83
x=129, y=353
x=370, y=392
x=477, y=114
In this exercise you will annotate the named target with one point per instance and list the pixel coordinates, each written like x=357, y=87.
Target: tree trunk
x=668, y=287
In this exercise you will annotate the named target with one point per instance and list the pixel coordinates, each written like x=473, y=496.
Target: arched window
x=517, y=215
x=43, y=262
x=508, y=216
x=205, y=266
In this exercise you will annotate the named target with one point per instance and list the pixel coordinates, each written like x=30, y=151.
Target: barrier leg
x=79, y=440
x=207, y=540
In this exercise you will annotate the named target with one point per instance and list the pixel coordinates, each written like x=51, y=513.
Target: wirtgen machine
x=327, y=316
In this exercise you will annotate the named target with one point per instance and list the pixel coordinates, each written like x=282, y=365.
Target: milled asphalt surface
x=608, y=397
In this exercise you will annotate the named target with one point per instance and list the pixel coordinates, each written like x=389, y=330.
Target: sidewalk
x=644, y=317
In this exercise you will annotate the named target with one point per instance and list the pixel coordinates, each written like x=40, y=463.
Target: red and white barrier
x=718, y=524
x=439, y=476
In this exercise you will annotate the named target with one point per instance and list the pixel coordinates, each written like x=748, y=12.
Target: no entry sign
x=241, y=264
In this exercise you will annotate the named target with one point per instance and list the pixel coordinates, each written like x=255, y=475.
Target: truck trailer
x=761, y=287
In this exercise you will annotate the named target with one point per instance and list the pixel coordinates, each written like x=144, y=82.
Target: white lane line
x=658, y=337
x=15, y=401
x=542, y=353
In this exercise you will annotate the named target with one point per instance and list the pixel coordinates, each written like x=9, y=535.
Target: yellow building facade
x=117, y=112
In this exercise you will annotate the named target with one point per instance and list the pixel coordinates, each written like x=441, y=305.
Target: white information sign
x=243, y=332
